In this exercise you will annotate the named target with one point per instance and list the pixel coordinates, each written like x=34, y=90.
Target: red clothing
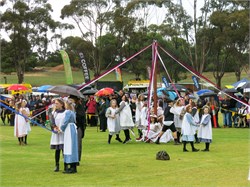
x=91, y=104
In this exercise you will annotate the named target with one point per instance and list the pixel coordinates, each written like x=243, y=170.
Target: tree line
x=216, y=40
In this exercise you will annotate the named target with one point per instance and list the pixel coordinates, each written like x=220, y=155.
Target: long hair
x=70, y=105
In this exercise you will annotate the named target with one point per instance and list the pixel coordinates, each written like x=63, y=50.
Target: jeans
x=227, y=118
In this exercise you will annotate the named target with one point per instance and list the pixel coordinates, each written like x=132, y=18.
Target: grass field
x=58, y=77
x=132, y=164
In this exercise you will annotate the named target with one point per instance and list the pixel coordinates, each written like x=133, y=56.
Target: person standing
x=113, y=121
x=102, y=117
x=126, y=121
x=70, y=148
x=57, y=138
x=178, y=110
x=80, y=123
x=91, y=110
x=187, y=129
x=138, y=120
x=20, y=128
x=205, y=129
x=168, y=123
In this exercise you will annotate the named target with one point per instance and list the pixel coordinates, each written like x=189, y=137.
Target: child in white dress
x=113, y=121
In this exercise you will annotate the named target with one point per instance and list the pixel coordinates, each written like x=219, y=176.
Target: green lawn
x=58, y=77
x=132, y=164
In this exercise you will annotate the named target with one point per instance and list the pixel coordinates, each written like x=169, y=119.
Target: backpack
x=162, y=155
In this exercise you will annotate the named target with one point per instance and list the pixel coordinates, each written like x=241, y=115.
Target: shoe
x=126, y=141
x=70, y=171
x=56, y=169
x=118, y=139
x=205, y=150
x=185, y=150
x=195, y=150
x=157, y=141
x=139, y=138
x=177, y=143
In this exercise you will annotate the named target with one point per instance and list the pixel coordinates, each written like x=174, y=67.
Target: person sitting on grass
x=155, y=129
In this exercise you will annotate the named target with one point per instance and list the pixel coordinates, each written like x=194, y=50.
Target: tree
x=75, y=45
x=27, y=23
x=230, y=36
x=90, y=17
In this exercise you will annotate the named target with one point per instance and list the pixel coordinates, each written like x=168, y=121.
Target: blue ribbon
x=40, y=125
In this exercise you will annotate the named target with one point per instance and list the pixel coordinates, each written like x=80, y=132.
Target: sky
x=57, y=5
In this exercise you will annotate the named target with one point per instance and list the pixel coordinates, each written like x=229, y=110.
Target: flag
x=118, y=74
x=196, y=82
x=67, y=67
x=85, y=69
x=165, y=81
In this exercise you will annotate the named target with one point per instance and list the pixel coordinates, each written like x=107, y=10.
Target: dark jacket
x=168, y=116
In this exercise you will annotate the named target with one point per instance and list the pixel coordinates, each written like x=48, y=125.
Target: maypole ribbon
x=150, y=90
x=5, y=106
x=194, y=72
x=112, y=69
x=175, y=89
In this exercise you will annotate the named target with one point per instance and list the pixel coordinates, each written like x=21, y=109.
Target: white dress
x=126, y=121
x=113, y=124
x=21, y=127
x=188, y=127
x=144, y=120
x=205, y=129
x=176, y=110
x=138, y=110
x=58, y=138
x=154, y=132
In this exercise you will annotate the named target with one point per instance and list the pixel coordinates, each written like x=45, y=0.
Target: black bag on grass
x=162, y=155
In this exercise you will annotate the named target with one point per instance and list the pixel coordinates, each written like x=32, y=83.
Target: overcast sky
x=156, y=18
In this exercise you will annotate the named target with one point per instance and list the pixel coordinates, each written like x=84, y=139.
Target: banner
x=67, y=67
x=196, y=82
x=85, y=69
x=166, y=83
x=118, y=74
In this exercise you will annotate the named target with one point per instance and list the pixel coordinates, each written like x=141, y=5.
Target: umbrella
x=240, y=83
x=17, y=87
x=208, y=94
x=231, y=90
x=178, y=87
x=43, y=88
x=65, y=90
x=202, y=91
x=162, y=92
x=104, y=92
x=90, y=92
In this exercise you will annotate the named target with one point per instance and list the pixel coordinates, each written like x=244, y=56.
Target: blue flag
x=196, y=82
x=166, y=83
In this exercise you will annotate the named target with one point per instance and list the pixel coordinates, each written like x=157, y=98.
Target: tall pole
x=155, y=79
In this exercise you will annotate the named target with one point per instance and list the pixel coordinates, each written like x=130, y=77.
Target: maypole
x=155, y=77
